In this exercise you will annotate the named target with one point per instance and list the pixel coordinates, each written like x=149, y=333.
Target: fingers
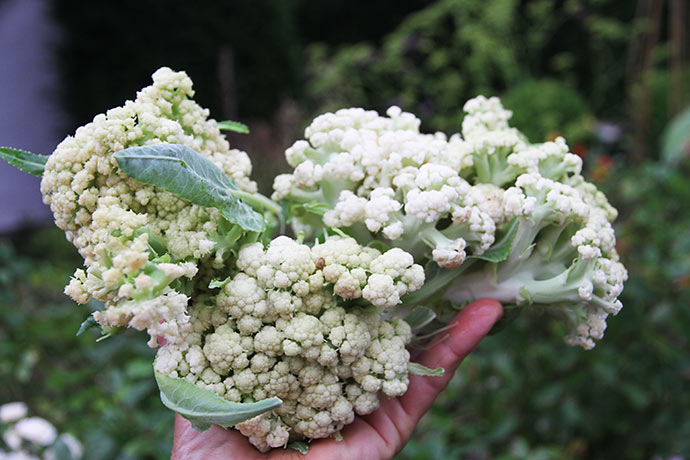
x=217, y=443
x=468, y=328
x=212, y=444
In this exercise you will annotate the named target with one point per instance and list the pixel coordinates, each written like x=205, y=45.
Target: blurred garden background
x=612, y=76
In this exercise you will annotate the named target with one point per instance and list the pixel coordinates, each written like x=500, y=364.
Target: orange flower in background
x=602, y=169
x=552, y=135
x=580, y=149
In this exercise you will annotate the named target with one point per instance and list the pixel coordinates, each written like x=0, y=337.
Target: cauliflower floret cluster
x=451, y=200
x=285, y=327
x=290, y=339
x=139, y=243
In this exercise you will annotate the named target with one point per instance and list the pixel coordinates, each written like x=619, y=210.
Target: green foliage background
x=559, y=65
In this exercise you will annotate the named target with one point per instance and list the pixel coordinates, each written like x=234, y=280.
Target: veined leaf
x=501, y=250
x=418, y=369
x=204, y=408
x=235, y=126
x=191, y=176
x=23, y=160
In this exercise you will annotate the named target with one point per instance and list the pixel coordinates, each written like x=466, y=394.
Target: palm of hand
x=379, y=435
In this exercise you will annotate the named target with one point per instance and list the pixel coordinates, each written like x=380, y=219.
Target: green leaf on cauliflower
x=88, y=323
x=501, y=250
x=234, y=126
x=23, y=160
x=204, y=408
x=316, y=208
x=418, y=369
x=301, y=447
x=191, y=176
x=217, y=283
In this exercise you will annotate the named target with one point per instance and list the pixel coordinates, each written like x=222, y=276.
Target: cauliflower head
x=141, y=245
x=499, y=216
x=305, y=334
x=283, y=326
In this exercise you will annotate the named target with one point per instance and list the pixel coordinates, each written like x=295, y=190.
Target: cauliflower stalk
x=289, y=339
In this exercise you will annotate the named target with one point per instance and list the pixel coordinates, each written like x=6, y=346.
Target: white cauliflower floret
x=224, y=351
x=265, y=432
x=320, y=394
x=282, y=186
x=364, y=402
x=349, y=209
x=344, y=251
x=269, y=341
x=552, y=160
x=400, y=266
x=378, y=208
x=167, y=360
x=302, y=333
x=196, y=359
x=165, y=317
x=348, y=333
x=285, y=261
x=243, y=296
x=307, y=174
x=450, y=256
x=250, y=257
x=484, y=114
x=381, y=291
x=428, y=206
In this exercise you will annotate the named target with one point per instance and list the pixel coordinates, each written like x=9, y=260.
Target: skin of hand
x=376, y=436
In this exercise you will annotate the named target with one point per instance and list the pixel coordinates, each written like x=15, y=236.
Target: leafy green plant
x=453, y=50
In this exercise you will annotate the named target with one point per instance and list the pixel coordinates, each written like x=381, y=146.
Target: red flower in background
x=580, y=149
x=602, y=169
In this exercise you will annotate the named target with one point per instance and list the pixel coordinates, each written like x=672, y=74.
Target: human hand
x=379, y=435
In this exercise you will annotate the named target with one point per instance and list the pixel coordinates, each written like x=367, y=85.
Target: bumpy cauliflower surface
x=449, y=199
x=140, y=243
x=283, y=326
x=316, y=322
x=308, y=324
